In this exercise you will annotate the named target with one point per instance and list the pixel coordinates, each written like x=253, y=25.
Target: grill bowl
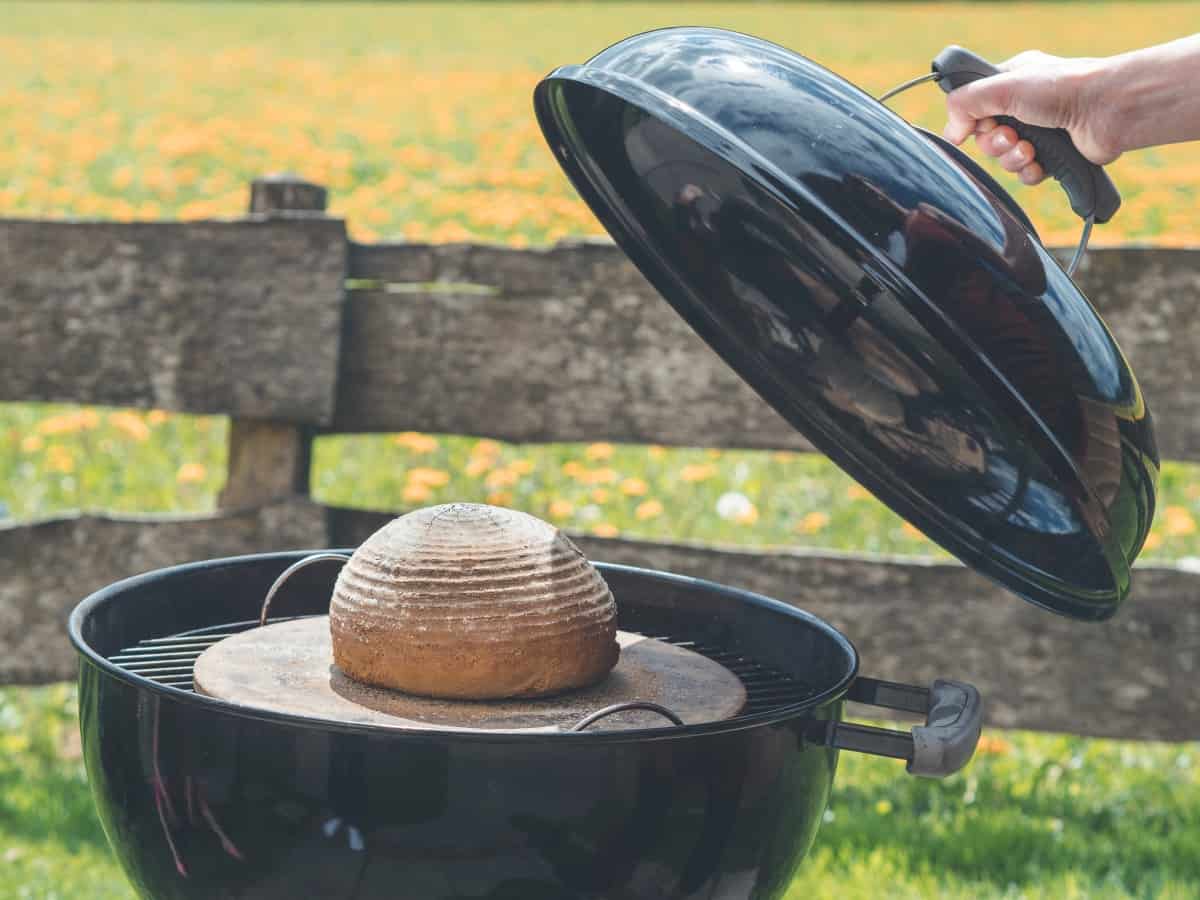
x=201, y=798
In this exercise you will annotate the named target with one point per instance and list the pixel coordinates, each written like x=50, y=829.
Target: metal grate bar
x=126, y=657
x=184, y=639
x=169, y=660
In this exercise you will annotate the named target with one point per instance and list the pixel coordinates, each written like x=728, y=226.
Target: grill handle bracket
x=953, y=713
x=292, y=570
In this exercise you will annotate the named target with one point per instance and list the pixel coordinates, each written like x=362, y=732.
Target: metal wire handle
x=292, y=570
x=622, y=707
x=1088, y=222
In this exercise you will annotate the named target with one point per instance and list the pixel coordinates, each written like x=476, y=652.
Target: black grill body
x=205, y=799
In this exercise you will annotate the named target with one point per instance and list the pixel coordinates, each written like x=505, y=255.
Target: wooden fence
x=281, y=322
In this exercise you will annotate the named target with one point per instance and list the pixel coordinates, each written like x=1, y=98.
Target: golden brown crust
x=468, y=601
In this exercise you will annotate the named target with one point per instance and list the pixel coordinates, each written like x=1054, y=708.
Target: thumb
x=966, y=105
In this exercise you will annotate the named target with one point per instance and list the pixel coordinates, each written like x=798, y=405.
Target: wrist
x=1148, y=97
x=1107, y=109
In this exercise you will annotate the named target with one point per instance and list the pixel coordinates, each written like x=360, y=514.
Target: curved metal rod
x=911, y=83
x=622, y=707
x=292, y=570
x=1083, y=242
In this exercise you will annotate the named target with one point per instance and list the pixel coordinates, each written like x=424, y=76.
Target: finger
x=1018, y=157
x=1026, y=58
x=967, y=105
x=998, y=141
x=959, y=125
x=1032, y=173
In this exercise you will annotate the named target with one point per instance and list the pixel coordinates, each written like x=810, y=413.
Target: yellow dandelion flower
x=698, y=472
x=428, y=477
x=813, y=522
x=415, y=442
x=602, y=476
x=596, y=452
x=654, y=451
x=600, y=495
x=477, y=465
x=59, y=459
x=67, y=423
x=415, y=492
x=191, y=473
x=500, y=498
x=634, y=487
x=857, y=492
x=450, y=233
x=747, y=516
x=31, y=443
x=783, y=456
x=1153, y=541
x=521, y=466
x=560, y=509
x=648, y=509
x=573, y=468
x=994, y=745
x=713, y=454
x=498, y=478
x=911, y=531
x=122, y=177
x=1179, y=521
x=605, y=529
x=130, y=423
x=486, y=448
x=156, y=416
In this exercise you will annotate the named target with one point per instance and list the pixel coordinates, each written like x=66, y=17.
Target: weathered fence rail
x=280, y=322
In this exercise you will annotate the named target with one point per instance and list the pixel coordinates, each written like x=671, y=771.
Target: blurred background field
x=417, y=117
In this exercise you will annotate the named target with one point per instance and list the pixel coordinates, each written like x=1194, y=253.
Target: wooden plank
x=914, y=620
x=270, y=460
x=1146, y=296
x=267, y=461
x=239, y=317
x=540, y=272
x=599, y=363
x=52, y=565
x=578, y=347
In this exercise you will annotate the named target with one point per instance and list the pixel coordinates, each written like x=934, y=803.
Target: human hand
x=1037, y=89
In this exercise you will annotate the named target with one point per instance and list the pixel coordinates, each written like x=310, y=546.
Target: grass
x=421, y=127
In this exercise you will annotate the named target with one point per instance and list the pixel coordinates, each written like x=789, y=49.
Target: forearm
x=1152, y=96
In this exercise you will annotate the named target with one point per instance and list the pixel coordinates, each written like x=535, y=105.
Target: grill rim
x=111, y=593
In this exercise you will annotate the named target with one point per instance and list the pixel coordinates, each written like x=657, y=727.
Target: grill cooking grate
x=170, y=660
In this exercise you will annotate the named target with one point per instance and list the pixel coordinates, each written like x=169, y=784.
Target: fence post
x=271, y=460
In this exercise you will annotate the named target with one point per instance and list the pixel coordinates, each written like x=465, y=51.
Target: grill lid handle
x=953, y=713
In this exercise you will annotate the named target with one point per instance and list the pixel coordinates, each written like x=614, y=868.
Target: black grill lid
x=880, y=291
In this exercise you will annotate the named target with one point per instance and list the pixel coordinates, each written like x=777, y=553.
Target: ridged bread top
x=467, y=581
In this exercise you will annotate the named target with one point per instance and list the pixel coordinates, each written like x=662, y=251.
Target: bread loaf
x=471, y=601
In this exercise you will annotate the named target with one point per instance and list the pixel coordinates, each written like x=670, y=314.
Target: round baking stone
x=288, y=667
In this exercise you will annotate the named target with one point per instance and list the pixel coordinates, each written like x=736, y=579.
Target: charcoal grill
x=201, y=797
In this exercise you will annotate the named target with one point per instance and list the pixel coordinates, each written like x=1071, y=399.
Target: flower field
x=418, y=119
